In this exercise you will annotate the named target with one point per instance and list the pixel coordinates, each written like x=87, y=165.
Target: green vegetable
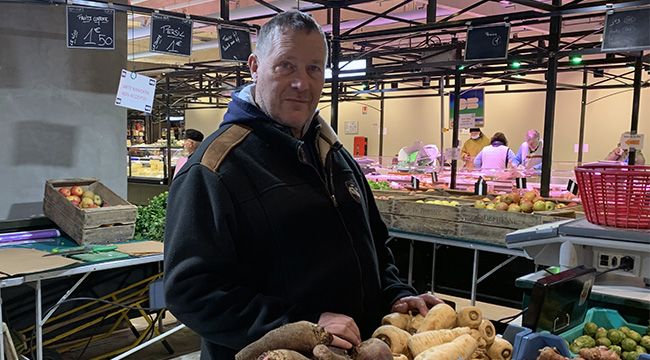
x=574, y=348
x=590, y=329
x=603, y=341
x=601, y=332
x=645, y=342
x=624, y=329
x=628, y=344
x=615, y=348
x=632, y=355
x=585, y=341
x=634, y=335
x=616, y=336
x=150, y=222
x=379, y=185
x=640, y=349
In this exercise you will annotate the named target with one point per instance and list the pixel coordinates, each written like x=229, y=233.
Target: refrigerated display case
x=148, y=163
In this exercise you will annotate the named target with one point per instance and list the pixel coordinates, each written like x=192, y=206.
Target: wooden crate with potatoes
x=88, y=211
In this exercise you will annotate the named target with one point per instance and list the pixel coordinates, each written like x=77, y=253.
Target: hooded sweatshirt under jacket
x=257, y=236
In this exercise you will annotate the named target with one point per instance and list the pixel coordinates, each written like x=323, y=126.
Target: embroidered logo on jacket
x=353, y=190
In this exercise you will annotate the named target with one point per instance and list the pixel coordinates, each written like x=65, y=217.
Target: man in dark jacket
x=271, y=221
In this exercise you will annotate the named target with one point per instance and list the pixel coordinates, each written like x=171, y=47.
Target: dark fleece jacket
x=257, y=236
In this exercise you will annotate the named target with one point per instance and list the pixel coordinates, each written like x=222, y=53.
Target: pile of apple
x=515, y=202
x=82, y=198
x=438, y=202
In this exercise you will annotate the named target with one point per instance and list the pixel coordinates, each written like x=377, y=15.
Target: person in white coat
x=497, y=155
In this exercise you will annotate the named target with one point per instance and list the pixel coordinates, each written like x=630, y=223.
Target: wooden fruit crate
x=112, y=223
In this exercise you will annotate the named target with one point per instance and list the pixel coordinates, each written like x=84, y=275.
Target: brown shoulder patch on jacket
x=221, y=146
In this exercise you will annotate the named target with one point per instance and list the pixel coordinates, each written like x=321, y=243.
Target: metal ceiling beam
x=368, y=21
x=464, y=10
x=395, y=18
x=270, y=6
x=534, y=4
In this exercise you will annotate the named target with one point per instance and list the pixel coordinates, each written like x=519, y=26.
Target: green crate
x=609, y=319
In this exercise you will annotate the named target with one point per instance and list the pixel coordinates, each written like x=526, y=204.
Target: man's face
x=474, y=134
x=290, y=77
x=532, y=142
x=190, y=145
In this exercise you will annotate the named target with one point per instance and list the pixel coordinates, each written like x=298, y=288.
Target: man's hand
x=421, y=303
x=345, y=331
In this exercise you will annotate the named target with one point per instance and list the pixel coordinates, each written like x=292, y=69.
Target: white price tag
x=466, y=121
x=136, y=91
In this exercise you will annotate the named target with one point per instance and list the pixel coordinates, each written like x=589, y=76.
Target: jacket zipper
x=327, y=185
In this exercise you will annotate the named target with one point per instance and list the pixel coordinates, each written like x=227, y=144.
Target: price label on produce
x=631, y=141
x=136, y=91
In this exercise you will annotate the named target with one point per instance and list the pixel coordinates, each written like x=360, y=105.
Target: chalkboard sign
x=171, y=35
x=627, y=30
x=235, y=44
x=90, y=28
x=487, y=42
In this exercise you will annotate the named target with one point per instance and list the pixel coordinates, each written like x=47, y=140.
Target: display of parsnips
x=443, y=333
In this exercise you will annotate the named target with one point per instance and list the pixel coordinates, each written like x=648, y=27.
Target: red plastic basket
x=615, y=195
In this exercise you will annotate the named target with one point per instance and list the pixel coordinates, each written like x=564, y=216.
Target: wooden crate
x=115, y=222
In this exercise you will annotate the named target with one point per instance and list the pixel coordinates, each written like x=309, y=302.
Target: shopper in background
x=193, y=139
x=497, y=155
x=472, y=146
x=272, y=221
x=529, y=155
x=622, y=155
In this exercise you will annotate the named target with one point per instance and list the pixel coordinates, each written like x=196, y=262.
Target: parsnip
x=396, y=338
x=487, y=331
x=397, y=319
x=400, y=357
x=416, y=322
x=420, y=342
x=441, y=316
x=460, y=348
x=500, y=349
x=470, y=316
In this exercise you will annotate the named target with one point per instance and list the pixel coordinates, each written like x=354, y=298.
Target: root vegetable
x=487, y=331
x=549, y=353
x=372, y=349
x=441, y=316
x=423, y=341
x=282, y=354
x=416, y=322
x=500, y=349
x=397, y=319
x=400, y=357
x=300, y=336
x=470, y=316
x=323, y=352
x=396, y=338
x=599, y=353
x=460, y=348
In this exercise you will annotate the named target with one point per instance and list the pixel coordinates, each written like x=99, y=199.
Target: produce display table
x=462, y=243
x=85, y=269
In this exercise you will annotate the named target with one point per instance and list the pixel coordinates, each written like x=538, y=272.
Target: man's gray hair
x=292, y=20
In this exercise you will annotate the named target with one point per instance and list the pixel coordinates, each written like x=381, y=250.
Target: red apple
x=516, y=198
x=65, y=191
x=502, y=206
x=77, y=191
x=526, y=206
x=530, y=196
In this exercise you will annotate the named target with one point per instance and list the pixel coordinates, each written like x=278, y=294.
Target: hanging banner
x=136, y=91
x=171, y=35
x=472, y=109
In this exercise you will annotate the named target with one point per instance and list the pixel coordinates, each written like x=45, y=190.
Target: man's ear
x=253, y=65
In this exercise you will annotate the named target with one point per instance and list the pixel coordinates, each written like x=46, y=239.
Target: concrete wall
x=57, y=112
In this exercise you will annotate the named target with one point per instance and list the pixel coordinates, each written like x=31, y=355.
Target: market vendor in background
x=529, y=155
x=193, y=139
x=271, y=221
x=622, y=155
x=497, y=155
x=472, y=146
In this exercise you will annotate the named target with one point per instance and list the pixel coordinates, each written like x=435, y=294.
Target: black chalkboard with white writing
x=627, y=30
x=487, y=42
x=171, y=35
x=235, y=44
x=90, y=28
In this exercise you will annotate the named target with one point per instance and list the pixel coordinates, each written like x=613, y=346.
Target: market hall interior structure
x=503, y=142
